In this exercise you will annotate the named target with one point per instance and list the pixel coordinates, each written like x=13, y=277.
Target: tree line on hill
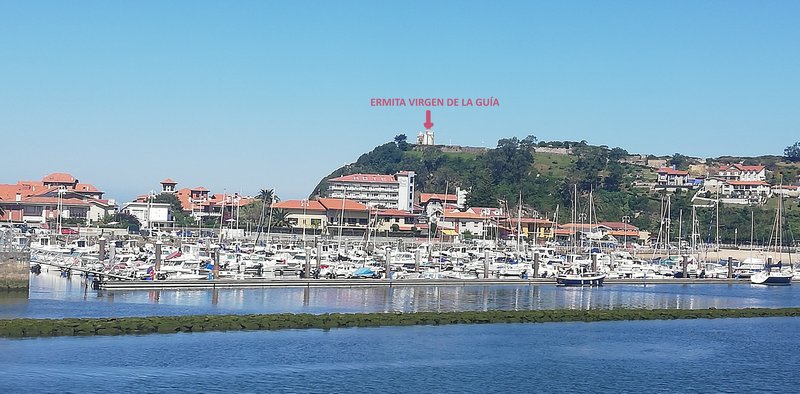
x=498, y=176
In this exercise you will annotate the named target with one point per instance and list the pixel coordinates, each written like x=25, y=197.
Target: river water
x=724, y=355
x=53, y=297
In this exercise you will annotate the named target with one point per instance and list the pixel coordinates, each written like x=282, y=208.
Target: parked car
x=69, y=231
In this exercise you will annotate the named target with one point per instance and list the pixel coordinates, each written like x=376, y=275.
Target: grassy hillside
x=547, y=182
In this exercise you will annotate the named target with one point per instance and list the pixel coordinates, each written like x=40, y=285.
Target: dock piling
x=730, y=267
x=486, y=264
x=157, y=268
x=685, y=264
x=307, y=268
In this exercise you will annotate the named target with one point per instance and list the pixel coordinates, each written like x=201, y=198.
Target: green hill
x=548, y=180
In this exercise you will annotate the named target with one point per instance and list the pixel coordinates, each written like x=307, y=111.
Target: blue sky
x=242, y=95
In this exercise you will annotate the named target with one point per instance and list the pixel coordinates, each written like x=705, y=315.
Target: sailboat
x=773, y=274
x=579, y=273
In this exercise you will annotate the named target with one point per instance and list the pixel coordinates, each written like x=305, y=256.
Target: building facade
x=58, y=197
x=375, y=190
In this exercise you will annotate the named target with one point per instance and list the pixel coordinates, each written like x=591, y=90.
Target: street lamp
x=625, y=220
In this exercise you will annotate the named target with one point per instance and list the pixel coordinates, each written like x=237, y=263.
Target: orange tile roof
x=741, y=167
x=86, y=187
x=425, y=197
x=336, y=204
x=623, y=233
x=308, y=205
x=169, y=182
x=54, y=200
x=59, y=177
x=619, y=226
x=462, y=215
x=369, y=178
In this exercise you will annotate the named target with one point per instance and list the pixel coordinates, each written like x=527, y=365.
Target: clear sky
x=240, y=95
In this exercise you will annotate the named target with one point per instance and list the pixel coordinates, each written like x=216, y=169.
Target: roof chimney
x=18, y=197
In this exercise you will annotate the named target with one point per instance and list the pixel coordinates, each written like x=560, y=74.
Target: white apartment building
x=740, y=172
x=151, y=214
x=375, y=190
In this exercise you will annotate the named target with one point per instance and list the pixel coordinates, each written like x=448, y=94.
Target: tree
x=122, y=220
x=181, y=218
x=617, y=154
x=401, y=142
x=268, y=196
x=280, y=218
x=792, y=152
x=679, y=161
x=510, y=161
x=395, y=227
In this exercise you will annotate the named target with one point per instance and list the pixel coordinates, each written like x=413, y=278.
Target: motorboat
x=581, y=279
x=772, y=275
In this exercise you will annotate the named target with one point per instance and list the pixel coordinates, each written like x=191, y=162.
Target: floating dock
x=261, y=283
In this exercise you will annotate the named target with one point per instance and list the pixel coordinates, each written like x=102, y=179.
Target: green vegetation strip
x=16, y=328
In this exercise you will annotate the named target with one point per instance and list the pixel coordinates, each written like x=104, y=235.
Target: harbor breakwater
x=14, y=271
x=15, y=328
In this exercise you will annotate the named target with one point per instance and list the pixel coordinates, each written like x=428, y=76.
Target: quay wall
x=14, y=271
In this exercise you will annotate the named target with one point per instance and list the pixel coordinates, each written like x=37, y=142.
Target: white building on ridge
x=375, y=190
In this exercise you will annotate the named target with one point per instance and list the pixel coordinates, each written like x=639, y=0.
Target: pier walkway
x=262, y=283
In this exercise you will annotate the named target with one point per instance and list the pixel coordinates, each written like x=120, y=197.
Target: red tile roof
x=308, y=205
x=425, y=197
x=741, y=167
x=368, y=178
x=55, y=200
x=169, y=182
x=623, y=233
x=86, y=187
x=462, y=215
x=619, y=226
x=199, y=189
x=59, y=177
x=336, y=204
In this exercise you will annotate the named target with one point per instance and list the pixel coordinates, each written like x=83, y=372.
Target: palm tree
x=280, y=218
x=267, y=197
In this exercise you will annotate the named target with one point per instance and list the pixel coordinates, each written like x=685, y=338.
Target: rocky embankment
x=187, y=324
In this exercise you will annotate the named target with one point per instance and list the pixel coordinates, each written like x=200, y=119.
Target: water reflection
x=53, y=296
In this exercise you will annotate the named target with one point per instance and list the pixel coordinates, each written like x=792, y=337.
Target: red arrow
x=428, y=124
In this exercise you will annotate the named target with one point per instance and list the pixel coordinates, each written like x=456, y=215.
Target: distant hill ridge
x=547, y=173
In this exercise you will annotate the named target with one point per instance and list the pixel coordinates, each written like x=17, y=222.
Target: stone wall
x=14, y=271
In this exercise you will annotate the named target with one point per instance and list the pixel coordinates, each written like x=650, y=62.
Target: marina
x=53, y=296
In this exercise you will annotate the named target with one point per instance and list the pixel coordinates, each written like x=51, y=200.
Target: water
x=724, y=355
x=53, y=297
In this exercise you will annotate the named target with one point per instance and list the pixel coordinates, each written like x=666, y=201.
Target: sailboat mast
x=680, y=231
x=519, y=222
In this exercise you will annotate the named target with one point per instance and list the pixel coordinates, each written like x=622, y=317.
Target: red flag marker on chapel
x=428, y=124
